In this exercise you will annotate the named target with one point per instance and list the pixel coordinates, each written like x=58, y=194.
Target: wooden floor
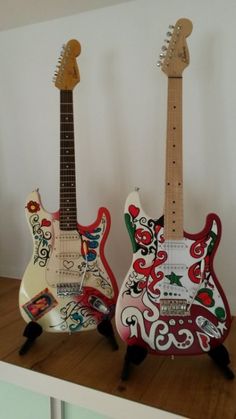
x=189, y=386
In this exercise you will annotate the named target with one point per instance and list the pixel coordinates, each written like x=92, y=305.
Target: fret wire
x=68, y=205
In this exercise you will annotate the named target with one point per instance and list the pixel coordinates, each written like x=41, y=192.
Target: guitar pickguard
x=171, y=301
x=65, y=287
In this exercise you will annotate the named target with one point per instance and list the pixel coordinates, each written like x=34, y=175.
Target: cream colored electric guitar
x=68, y=285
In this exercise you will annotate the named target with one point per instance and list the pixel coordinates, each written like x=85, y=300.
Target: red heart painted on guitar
x=205, y=297
x=203, y=341
x=134, y=211
x=45, y=223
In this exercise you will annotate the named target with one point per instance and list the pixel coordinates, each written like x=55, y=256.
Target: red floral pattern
x=33, y=206
x=143, y=236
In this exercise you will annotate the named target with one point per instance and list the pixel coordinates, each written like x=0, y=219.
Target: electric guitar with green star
x=171, y=302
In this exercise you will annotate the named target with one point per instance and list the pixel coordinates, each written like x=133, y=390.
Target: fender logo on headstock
x=183, y=55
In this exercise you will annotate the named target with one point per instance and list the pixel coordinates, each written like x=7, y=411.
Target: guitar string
x=69, y=179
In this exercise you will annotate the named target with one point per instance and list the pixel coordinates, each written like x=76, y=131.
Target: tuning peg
x=159, y=63
x=167, y=41
x=161, y=55
x=168, y=33
x=163, y=48
x=171, y=27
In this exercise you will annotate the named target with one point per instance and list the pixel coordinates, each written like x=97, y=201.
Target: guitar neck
x=68, y=209
x=173, y=212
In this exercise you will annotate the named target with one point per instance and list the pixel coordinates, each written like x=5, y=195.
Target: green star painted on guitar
x=174, y=279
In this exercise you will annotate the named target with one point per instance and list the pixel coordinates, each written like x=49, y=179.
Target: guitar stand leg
x=134, y=355
x=105, y=328
x=220, y=356
x=31, y=332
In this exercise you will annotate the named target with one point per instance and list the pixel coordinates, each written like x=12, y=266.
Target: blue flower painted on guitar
x=93, y=243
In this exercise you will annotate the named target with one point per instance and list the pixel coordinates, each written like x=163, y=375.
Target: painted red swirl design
x=194, y=273
x=197, y=249
x=152, y=275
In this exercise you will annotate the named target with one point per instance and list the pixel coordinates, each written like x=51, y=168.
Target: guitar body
x=68, y=285
x=171, y=302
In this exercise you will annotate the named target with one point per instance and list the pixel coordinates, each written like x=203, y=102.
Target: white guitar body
x=66, y=286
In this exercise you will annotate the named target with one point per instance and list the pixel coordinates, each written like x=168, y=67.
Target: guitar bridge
x=68, y=289
x=173, y=307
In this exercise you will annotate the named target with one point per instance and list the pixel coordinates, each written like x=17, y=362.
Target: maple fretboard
x=173, y=212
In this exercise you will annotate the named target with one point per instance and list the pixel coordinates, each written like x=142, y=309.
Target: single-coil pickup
x=67, y=273
x=176, y=245
x=68, y=255
x=173, y=267
x=68, y=237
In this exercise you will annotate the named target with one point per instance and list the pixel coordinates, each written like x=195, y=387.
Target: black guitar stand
x=33, y=330
x=220, y=356
x=136, y=354
x=105, y=329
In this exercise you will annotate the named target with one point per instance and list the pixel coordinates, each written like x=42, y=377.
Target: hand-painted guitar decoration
x=171, y=302
x=68, y=285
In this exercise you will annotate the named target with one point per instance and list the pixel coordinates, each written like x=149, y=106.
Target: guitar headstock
x=67, y=73
x=175, y=56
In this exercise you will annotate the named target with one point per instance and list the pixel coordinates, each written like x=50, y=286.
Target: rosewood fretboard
x=68, y=211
